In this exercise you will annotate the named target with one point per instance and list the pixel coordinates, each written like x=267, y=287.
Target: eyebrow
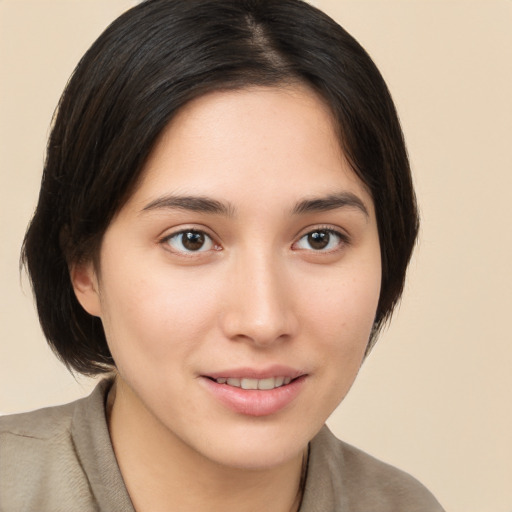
x=202, y=204
x=330, y=202
x=191, y=203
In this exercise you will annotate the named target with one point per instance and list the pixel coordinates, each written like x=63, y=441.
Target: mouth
x=252, y=393
x=266, y=384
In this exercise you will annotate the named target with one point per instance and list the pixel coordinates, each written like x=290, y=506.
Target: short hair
x=138, y=74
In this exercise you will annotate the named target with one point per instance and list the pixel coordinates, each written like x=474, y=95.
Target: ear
x=85, y=284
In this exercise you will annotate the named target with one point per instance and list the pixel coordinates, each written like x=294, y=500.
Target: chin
x=256, y=449
x=258, y=459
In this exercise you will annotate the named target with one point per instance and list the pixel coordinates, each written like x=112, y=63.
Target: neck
x=163, y=473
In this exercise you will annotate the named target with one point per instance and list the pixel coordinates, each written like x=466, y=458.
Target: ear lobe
x=85, y=284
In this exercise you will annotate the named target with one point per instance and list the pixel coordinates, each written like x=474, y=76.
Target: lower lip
x=255, y=402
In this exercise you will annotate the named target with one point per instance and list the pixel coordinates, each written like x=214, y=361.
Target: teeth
x=249, y=383
x=267, y=383
x=262, y=384
x=279, y=381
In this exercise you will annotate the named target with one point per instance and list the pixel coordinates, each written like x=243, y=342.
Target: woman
x=224, y=225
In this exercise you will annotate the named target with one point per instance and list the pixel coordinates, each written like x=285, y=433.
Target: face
x=238, y=285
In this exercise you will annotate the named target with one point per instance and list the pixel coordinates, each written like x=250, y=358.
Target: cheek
x=341, y=315
x=151, y=317
x=345, y=305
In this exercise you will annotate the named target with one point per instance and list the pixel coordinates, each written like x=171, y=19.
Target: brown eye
x=190, y=241
x=193, y=241
x=321, y=240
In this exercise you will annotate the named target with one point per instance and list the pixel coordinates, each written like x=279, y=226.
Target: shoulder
x=40, y=424
x=40, y=468
x=34, y=439
x=358, y=482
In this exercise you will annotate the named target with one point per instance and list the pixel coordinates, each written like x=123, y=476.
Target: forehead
x=267, y=141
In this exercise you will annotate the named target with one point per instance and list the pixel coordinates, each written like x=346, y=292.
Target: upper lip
x=256, y=373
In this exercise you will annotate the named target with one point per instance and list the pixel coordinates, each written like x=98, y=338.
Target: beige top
x=61, y=459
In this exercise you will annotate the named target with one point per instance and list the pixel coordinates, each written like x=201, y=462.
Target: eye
x=324, y=240
x=190, y=241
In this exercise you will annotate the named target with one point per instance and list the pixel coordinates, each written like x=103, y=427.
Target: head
x=151, y=65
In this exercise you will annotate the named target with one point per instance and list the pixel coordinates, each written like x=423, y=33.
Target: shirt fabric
x=61, y=459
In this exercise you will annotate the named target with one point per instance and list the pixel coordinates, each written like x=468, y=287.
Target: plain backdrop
x=434, y=397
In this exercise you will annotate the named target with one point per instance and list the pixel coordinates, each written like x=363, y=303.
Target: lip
x=255, y=402
x=255, y=373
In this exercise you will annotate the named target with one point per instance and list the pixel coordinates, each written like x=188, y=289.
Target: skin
x=256, y=294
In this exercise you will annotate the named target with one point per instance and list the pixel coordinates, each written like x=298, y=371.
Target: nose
x=260, y=308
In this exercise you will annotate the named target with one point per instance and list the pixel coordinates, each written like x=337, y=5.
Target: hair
x=138, y=74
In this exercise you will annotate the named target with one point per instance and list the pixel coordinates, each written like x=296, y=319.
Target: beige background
x=435, y=395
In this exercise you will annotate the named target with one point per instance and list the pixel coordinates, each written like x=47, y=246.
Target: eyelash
x=194, y=232
x=343, y=239
x=204, y=237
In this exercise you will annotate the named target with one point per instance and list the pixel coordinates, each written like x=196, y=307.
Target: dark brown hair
x=147, y=65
